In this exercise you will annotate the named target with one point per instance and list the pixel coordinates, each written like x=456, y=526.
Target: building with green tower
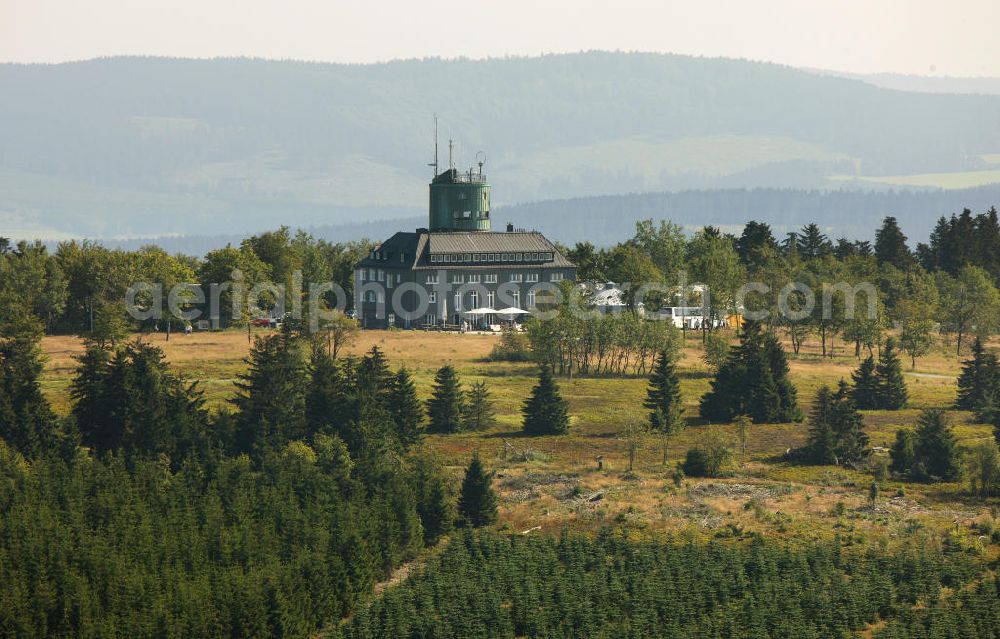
x=457, y=270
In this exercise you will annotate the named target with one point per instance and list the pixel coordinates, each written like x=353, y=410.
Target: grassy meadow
x=554, y=483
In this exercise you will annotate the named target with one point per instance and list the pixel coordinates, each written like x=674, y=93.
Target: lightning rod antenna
x=435, y=164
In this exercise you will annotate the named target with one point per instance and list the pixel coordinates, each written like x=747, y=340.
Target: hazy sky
x=927, y=37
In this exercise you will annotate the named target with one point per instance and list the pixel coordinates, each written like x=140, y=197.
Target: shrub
x=512, y=347
x=707, y=461
x=716, y=351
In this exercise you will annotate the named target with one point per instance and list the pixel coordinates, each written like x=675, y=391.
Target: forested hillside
x=149, y=146
x=609, y=219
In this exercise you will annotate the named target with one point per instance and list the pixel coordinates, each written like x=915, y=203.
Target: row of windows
x=379, y=275
x=491, y=278
x=491, y=257
x=472, y=298
x=383, y=256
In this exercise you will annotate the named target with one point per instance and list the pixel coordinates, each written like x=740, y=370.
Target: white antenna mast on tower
x=451, y=163
x=435, y=164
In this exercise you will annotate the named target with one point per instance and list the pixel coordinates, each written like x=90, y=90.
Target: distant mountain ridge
x=605, y=220
x=983, y=85
x=129, y=147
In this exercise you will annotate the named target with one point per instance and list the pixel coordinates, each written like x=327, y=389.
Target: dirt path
x=931, y=375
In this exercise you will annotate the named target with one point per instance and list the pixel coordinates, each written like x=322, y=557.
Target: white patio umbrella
x=512, y=310
x=480, y=311
x=511, y=313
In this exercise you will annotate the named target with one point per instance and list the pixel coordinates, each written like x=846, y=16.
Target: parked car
x=260, y=321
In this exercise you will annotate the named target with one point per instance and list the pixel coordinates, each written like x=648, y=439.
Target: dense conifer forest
x=490, y=586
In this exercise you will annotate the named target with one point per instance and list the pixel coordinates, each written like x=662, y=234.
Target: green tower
x=460, y=201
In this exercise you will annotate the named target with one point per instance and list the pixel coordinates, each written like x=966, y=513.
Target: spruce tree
x=26, y=420
x=890, y=245
x=162, y=413
x=988, y=411
x=979, y=380
x=271, y=395
x=892, y=393
x=87, y=390
x=866, y=387
x=479, y=412
x=849, y=434
x=821, y=444
x=374, y=376
x=903, y=454
x=447, y=402
x=996, y=426
x=787, y=409
x=407, y=411
x=434, y=502
x=754, y=381
x=328, y=396
x=936, y=449
x=545, y=412
x=477, y=503
x=663, y=396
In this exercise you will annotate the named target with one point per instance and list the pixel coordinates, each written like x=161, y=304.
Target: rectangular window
x=555, y=277
x=468, y=256
x=490, y=298
x=432, y=297
x=491, y=278
x=474, y=278
x=531, y=300
x=458, y=301
x=432, y=279
x=475, y=257
x=381, y=275
x=532, y=277
x=457, y=278
x=517, y=277
x=371, y=275
x=520, y=257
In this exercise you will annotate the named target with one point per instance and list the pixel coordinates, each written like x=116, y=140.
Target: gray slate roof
x=416, y=249
x=489, y=242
